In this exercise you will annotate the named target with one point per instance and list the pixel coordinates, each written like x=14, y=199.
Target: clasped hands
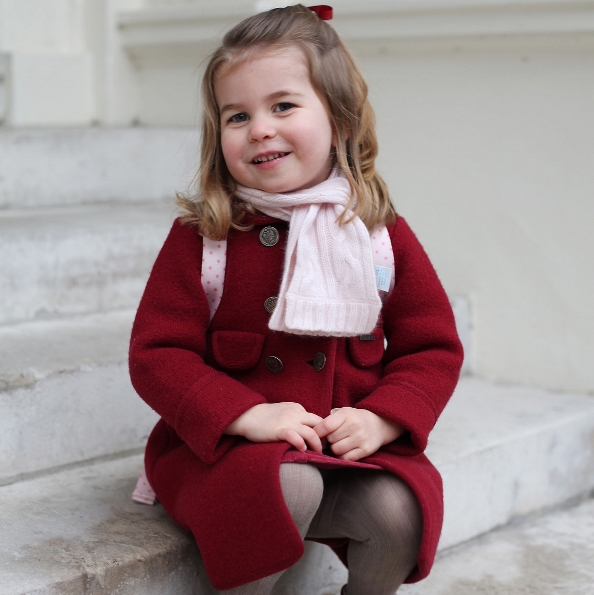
x=352, y=433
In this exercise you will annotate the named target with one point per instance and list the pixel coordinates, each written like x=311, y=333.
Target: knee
x=393, y=510
x=303, y=487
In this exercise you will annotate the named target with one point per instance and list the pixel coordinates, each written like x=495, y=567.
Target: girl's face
x=276, y=134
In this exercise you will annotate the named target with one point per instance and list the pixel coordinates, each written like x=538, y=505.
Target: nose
x=261, y=128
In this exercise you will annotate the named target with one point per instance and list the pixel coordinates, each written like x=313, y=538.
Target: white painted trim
x=374, y=19
x=179, y=25
x=472, y=20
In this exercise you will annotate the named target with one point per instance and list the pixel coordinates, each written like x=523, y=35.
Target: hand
x=356, y=433
x=273, y=422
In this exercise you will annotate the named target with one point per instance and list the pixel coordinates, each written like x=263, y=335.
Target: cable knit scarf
x=328, y=286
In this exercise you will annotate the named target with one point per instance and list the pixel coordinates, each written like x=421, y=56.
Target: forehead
x=262, y=69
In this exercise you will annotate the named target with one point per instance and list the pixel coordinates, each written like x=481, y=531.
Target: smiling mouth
x=271, y=157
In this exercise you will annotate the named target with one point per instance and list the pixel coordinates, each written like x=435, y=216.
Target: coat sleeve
x=424, y=355
x=168, y=345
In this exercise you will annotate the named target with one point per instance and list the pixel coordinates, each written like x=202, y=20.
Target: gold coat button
x=274, y=364
x=269, y=236
x=270, y=304
x=319, y=361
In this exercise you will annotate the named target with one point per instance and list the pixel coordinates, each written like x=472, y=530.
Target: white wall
x=41, y=25
x=48, y=70
x=489, y=152
x=62, y=64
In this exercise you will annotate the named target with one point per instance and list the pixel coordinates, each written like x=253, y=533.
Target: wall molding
x=148, y=31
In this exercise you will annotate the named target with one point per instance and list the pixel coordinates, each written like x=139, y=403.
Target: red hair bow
x=323, y=11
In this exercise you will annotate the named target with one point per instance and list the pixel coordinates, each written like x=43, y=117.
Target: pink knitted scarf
x=328, y=286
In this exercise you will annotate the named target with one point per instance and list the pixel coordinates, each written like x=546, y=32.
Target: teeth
x=268, y=157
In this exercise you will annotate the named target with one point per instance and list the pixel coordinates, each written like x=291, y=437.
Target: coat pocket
x=237, y=350
x=367, y=350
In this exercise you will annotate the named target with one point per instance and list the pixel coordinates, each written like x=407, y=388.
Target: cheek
x=231, y=150
x=326, y=133
x=317, y=135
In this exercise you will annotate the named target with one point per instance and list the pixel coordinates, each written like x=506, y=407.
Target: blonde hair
x=340, y=84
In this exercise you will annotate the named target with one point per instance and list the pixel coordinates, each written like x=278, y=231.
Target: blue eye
x=283, y=107
x=239, y=118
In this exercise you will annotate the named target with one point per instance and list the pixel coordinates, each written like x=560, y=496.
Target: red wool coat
x=200, y=376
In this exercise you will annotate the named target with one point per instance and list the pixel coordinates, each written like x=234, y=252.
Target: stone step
x=65, y=394
x=508, y=451
x=504, y=452
x=78, y=532
x=44, y=167
x=551, y=555
x=74, y=260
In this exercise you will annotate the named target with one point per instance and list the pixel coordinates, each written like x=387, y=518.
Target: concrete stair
x=76, y=166
x=550, y=555
x=72, y=429
x=81, y=259
x=76, y=530
x=65, y=395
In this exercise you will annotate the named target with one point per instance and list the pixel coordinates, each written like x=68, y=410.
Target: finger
x=330, y=424
x=311, y=420
x=293, y=438
x=343, y=446
x=312, y=439
x=343, y=431
x=353, y=425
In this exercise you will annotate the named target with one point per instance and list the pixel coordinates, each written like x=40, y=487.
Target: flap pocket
x=367, y=350
x=237, y=350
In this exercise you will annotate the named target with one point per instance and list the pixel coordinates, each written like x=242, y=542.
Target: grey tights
x=375, y=510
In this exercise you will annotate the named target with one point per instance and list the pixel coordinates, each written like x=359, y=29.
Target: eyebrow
x=276, y=95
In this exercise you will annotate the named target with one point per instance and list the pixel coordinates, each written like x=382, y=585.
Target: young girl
x=285, y=413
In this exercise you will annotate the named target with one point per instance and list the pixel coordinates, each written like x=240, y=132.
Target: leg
x=303, y=488
x=381, y=517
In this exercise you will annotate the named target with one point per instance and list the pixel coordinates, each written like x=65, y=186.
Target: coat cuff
x=207, y=410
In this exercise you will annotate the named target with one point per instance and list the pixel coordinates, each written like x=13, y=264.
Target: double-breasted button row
x=275, y=365
x=269, y=236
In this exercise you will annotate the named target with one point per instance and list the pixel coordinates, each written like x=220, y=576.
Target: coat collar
x=258, y=219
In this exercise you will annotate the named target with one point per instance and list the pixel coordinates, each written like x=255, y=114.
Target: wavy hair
x=340, y=85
